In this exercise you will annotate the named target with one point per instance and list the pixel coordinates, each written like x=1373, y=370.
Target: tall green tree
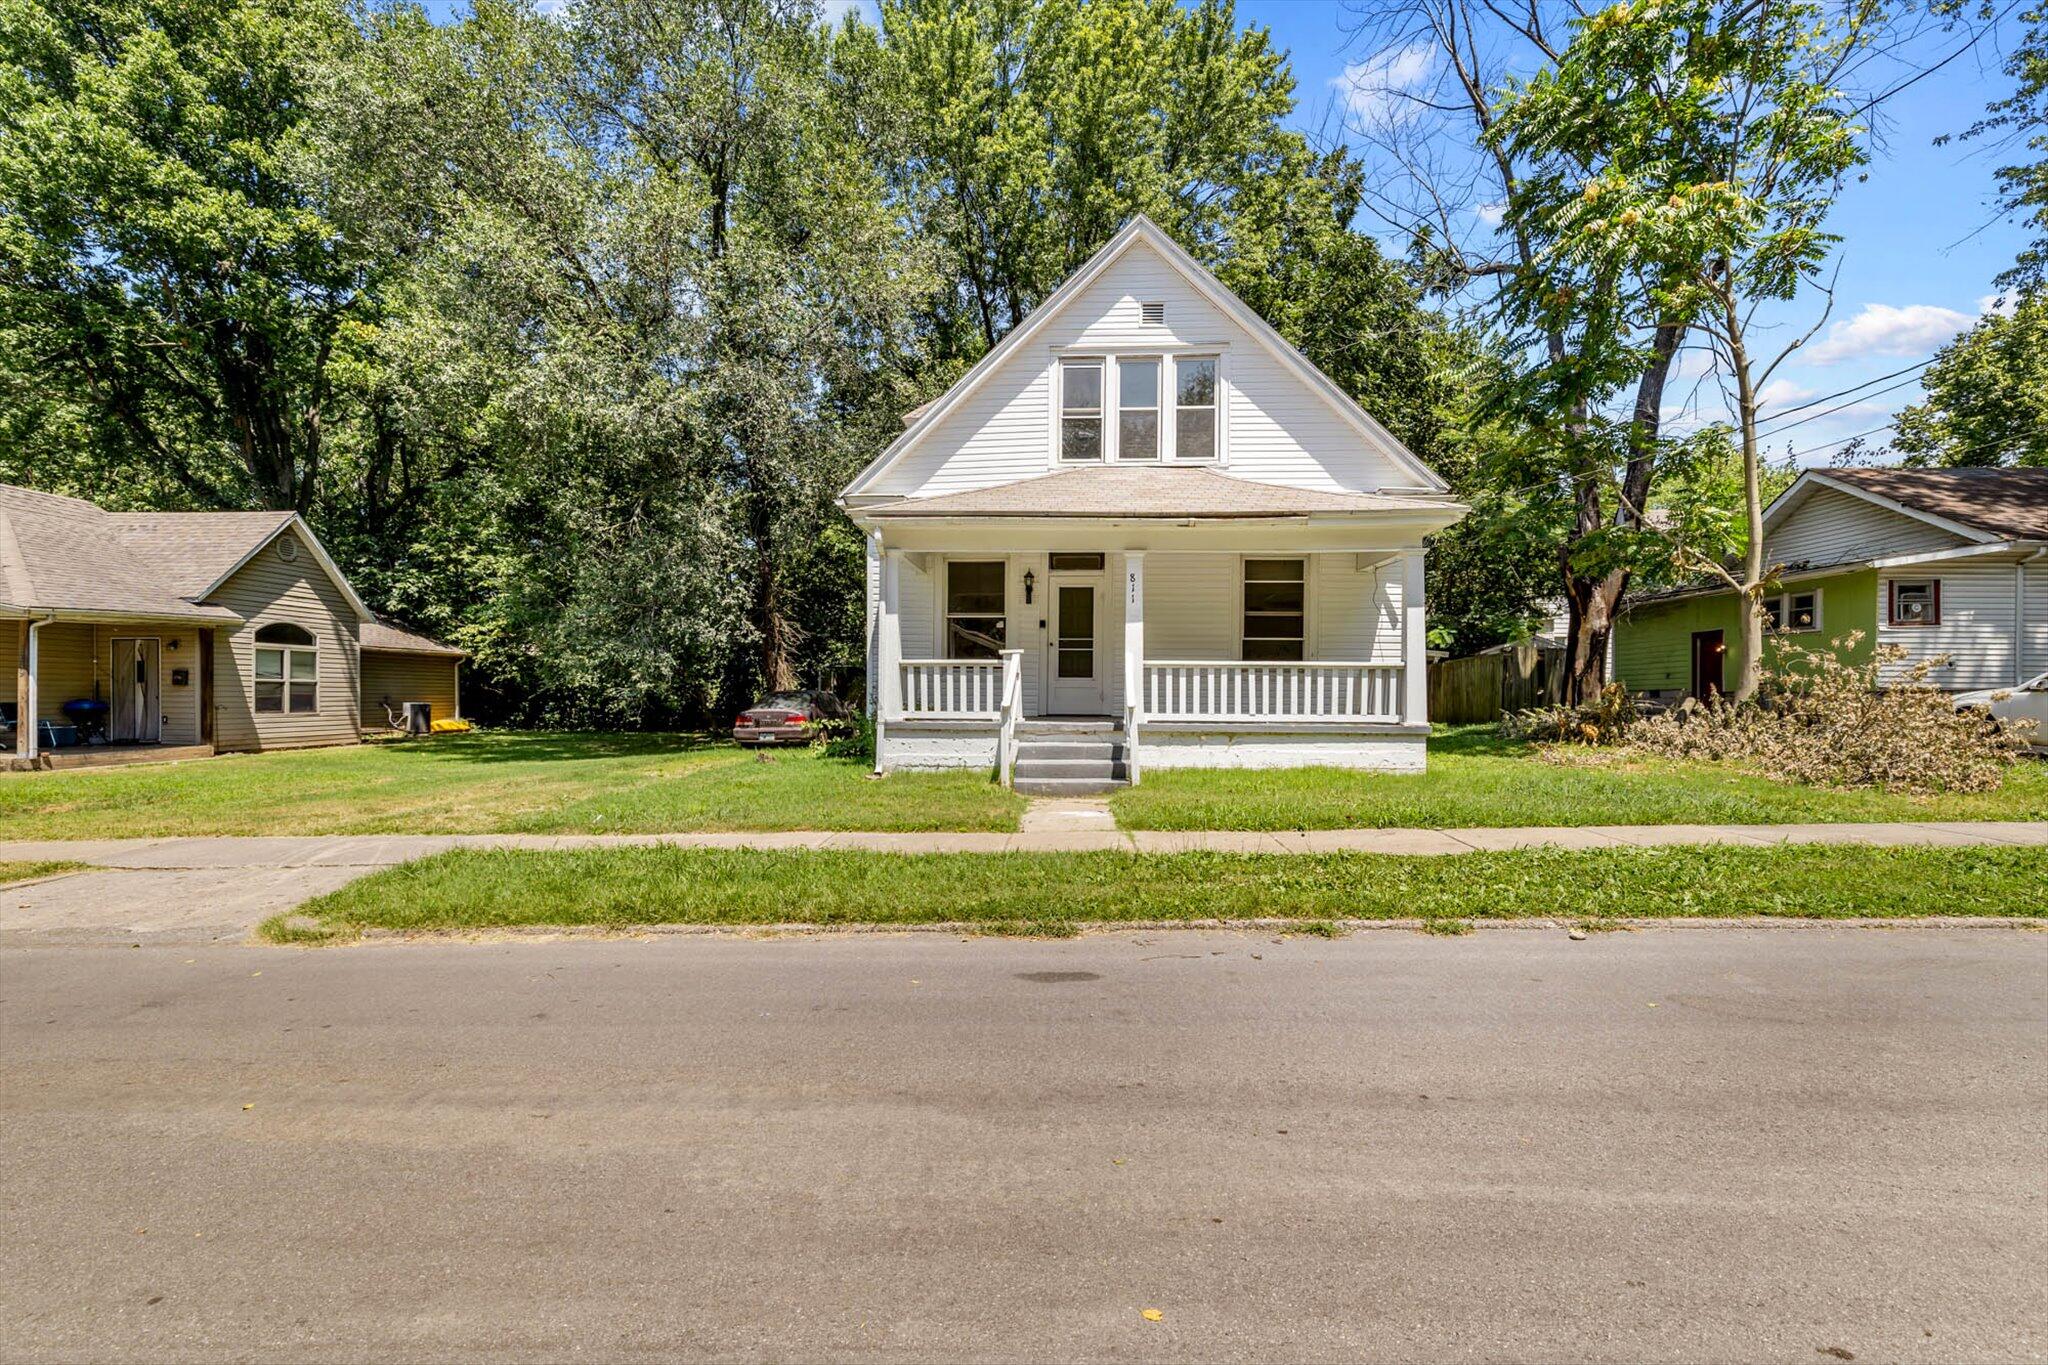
x=173, y=281
x=1715, y=135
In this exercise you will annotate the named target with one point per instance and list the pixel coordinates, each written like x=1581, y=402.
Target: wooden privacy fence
x=1484, y=687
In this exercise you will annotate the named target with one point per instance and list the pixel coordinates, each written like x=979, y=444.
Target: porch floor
x=104, y=756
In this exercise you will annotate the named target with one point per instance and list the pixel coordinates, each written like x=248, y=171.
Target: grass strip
x=11, y=872
x=1052, y=892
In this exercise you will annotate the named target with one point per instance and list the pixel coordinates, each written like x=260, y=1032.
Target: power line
x=1841, y=393
x=1815, y=417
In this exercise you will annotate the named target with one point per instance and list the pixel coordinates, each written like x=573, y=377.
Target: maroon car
x=790, y=718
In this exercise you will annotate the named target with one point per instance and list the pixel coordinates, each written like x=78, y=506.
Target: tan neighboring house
x=198, y=632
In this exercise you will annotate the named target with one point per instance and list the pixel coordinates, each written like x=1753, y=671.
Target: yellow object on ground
x=451, y=727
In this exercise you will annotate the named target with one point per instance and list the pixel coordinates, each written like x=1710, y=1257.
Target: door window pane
x=1077, y=663
x=1077, y=613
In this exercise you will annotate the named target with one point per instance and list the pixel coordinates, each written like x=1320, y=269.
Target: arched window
x=287, y=669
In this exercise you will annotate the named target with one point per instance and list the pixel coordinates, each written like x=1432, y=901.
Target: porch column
x=25, y=701
x=1414, y=642
x=889, y=651
x=871, y=609
x=1134, y=634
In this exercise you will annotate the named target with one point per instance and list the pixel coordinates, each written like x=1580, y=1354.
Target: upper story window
x=1915, y=603
x=1137, y=427
x=1139, y=409
x=1194, y=408
x=1081, y=410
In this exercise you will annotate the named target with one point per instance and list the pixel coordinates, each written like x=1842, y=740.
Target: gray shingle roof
x=389, y=638
x=63, y=554
x=1159, y=492
x=2003, y=502
x=192, y=551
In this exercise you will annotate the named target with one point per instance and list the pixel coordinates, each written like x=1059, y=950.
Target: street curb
x=1304, y=928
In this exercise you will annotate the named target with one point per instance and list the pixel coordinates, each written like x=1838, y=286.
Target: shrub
x=1821, y=720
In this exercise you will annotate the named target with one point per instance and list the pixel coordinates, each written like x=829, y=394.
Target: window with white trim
x=1137, y=410
x=1194, y=408
x=975, y=617
x=287, y=670
x=1792, y=612
x=1275, y=609
x=1080, y=410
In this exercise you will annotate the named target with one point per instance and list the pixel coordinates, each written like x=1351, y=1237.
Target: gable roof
x=67, y=554
x=1982, y=505
x=63, y=554
x=388, y=637
x=920, y=421
x=1147, y=492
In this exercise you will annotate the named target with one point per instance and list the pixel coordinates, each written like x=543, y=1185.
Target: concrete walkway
x=219, y=889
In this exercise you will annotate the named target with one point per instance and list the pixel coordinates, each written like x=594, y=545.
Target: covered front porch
x=1245, y=644
x=90, y=692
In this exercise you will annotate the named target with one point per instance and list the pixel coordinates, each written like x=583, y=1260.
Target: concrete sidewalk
x=383, y=850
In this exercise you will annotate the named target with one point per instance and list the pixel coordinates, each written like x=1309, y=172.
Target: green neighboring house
x=1937, y=561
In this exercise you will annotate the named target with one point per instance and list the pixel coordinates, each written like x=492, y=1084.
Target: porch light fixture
x=1029, y=579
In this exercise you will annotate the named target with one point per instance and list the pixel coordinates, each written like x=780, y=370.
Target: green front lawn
x=1045, y=892
x=1476, y=778
x=497, y=783
x=11, y=872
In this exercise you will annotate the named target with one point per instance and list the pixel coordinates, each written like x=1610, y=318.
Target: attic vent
x=287, y=549
x=1153, y=314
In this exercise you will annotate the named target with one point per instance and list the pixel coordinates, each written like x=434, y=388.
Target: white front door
x=1074, y=647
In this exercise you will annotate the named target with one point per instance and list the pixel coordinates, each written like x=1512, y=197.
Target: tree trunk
x=1749, y=602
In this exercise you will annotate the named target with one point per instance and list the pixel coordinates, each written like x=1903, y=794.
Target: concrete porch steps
x=1070, y=758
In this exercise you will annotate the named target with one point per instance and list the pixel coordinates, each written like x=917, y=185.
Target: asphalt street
x=1786, y=1144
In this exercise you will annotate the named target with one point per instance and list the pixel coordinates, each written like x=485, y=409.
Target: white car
x=2028, y=701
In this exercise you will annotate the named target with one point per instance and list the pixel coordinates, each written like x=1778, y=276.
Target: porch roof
x=60, y=555
x=1160, y=492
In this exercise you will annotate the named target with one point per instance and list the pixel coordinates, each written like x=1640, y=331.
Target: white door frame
x=149, y=715
x=1074, y=696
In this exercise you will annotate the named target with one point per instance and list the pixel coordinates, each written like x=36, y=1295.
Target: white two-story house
x=1145, y=532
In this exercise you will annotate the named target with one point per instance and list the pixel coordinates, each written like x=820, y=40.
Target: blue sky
x=1920, y=244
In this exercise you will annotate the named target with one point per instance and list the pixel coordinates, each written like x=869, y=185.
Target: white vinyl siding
x=1354, y=616
x=2034, y=636
x=1276, y=429
x=1976, y=622
x=1833, y=527
x=271, y=589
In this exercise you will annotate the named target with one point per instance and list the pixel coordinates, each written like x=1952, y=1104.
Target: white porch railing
x=952, y=689
x=1197, y=690
x=1012, y=710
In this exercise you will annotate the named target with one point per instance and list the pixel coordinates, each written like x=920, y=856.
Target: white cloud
x=1997, y=303
x=1916, y=330
x=1782, y=393
x=1491, y=214
x=1373, y=89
